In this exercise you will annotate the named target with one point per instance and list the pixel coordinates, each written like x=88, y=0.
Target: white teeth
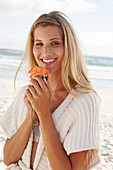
x=48, y=61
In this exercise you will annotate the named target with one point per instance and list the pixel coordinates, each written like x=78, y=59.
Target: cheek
x=35, y=53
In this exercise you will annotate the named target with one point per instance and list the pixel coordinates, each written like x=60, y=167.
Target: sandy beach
x=7, y=95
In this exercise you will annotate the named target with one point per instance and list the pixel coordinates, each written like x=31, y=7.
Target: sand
x=7, y=95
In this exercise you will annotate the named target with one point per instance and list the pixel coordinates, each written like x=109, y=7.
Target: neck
x=55, y=82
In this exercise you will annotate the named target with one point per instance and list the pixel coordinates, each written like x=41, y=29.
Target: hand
x=29, y=108
x=27, y=103
x=39, y=96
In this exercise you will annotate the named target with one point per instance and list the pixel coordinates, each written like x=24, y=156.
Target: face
x=48, y=48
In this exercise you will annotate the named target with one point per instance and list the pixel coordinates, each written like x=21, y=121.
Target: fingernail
x=44, y=79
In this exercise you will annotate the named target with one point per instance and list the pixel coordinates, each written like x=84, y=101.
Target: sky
x=91, y=19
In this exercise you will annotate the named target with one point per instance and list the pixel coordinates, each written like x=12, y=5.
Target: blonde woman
x=65, y=135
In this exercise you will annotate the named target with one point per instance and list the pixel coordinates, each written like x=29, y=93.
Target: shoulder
x=85, y=96
x=22, y=90
x=18, y=103
x=20, y=93
x=15, y=115
x=86, y=103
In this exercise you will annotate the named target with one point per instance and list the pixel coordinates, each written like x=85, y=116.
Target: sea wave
x=99, y=68
x=99, y=72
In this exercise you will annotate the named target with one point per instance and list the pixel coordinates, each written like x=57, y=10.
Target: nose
x=46, y=50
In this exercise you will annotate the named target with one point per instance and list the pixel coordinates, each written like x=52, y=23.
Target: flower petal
x=38, y=71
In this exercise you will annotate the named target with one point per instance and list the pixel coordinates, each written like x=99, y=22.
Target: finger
x=32, y=90
x=36, y=86
x=26, y=100
x=25, y=97
x=41, y=83
x=29, y=95
x=47, y=84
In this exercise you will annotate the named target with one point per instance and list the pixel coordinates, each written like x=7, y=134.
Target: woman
x=66, y=106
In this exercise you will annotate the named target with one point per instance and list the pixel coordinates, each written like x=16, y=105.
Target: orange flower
x=41, y=72
x=38, y=71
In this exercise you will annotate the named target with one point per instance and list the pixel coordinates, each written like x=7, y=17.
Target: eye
x=55, y=43
x=38, y=44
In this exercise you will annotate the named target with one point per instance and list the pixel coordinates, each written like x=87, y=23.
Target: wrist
x=31, y=119
x=28, y=119
x=47, y=116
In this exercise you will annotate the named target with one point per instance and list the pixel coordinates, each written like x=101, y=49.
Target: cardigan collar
x=56, y=114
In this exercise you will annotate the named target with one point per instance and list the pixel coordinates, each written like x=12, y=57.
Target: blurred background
x=93, y=24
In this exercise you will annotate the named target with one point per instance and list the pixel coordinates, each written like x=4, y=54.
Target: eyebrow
x=50, y=39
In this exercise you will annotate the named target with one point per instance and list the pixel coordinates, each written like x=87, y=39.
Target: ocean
x=100, y=68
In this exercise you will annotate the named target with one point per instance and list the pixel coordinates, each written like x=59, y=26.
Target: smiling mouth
x=48, y=61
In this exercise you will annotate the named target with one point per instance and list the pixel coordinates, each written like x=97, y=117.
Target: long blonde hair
x=74, y=70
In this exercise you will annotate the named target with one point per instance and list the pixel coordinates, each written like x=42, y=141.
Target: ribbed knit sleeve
x=14, y=116
x=84, y=133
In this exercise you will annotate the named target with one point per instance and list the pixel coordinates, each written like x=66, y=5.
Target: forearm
x=56, y=154
x=15, y=146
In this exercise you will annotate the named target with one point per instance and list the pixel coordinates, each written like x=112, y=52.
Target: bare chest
x=56, y=101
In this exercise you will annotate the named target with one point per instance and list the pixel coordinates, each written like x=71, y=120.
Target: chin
x=50, y=69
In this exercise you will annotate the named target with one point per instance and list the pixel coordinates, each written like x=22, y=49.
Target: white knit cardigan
x=77, y=124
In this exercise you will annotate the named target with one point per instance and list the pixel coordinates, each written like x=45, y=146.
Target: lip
x=49, y=63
